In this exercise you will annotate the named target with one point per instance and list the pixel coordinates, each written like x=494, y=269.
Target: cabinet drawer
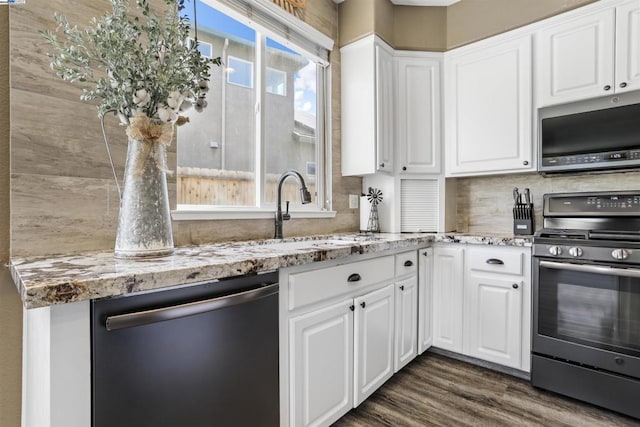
x=314, y=286
x=406, y=263
x=497, y=260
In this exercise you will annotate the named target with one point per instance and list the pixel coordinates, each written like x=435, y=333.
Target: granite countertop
x=45, y=281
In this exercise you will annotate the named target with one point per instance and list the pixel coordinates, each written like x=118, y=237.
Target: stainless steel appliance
x=596, y=134
x=204, y=355
x=586, y=299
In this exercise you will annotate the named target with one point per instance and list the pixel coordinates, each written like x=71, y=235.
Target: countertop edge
x=48, y=281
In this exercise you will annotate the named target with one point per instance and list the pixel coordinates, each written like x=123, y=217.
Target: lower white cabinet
x=482, y=302
x=425, y=299
x=322, y=365
x=374, y=344
x=493, y=319
x=406, y=346
x=349, y=327
x=447, y=297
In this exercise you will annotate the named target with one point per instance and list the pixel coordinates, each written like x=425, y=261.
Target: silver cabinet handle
x=597, y=269
x=140, y=318
x=495, y=261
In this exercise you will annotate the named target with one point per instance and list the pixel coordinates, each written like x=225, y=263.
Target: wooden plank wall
x=63, y=197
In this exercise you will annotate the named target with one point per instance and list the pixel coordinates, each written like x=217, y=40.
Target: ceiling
x=419, y=2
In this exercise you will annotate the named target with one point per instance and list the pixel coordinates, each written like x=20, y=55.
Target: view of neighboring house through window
x=262, y=118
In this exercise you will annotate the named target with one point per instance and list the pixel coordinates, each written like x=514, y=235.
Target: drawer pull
x=408, y=263
x=495, y=261
x=355, y=277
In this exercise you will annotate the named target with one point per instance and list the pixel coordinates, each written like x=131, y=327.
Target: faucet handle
x=286, y=216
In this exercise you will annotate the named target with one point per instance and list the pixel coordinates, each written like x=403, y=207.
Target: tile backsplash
x=485, y=203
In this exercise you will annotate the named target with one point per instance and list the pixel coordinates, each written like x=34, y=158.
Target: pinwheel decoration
x=374, y=196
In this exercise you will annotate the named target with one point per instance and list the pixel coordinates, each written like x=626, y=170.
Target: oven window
x=597, y=310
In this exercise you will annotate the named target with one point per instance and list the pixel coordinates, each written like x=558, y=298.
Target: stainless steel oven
x=586, y=299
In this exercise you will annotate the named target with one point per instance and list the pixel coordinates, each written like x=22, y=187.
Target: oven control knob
x=576, y=252
x=555, y=250
x=620, y=254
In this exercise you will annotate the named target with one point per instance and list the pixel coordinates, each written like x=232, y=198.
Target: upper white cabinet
x=418, y=112
x=367, y=91
x=589, y=55
x=488, y=107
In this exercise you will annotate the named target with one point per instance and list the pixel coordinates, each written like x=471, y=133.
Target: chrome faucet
x=305, y=197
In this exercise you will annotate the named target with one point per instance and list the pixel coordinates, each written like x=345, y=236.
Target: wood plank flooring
x=435, y=390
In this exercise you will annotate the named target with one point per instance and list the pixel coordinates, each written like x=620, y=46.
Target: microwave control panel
x=581, y=159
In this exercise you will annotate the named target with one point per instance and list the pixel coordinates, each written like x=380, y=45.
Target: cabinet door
x=406, y=321
x=321, y=365
x=493, y=312
x=628, y=46
x=374, y=317
x=575, y=59
x=488, y=99
x=418, y=114
x=384, y=109
x=425, y=299
x=447, y=297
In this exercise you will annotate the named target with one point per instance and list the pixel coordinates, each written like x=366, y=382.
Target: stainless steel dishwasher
x=204, y=355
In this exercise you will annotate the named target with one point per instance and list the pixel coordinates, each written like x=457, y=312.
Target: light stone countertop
x=45, y=281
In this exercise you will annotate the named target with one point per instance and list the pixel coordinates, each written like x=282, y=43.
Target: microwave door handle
x=140, y=318
x=597, y=269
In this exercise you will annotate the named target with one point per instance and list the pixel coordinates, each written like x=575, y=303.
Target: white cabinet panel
x=374, y=317
x=321, y=365
x=628, y=46
x=493, y=326
x=384, y=109
x=367, y=105
x=575, y=59
x=488, y=109
x=425, y=299
x=447, y=296
x=418, y=114
x=406, y=321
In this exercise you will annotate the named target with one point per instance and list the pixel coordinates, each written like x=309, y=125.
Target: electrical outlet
x=353, y=201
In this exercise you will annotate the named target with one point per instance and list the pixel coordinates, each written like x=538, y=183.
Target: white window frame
x=324, y=205
x=229, y=74
x=201, y=43
x=284, y=81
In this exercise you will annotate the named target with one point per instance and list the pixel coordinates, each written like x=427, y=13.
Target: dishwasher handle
x=146, y=317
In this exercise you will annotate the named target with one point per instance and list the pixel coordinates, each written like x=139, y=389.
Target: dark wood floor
x=435, y=390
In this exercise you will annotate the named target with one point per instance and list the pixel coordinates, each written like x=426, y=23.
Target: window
x=276, y=82
x=239, y=71
x=255, y=136
x=205, y=48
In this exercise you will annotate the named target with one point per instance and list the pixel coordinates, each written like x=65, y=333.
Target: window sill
x=194, y=214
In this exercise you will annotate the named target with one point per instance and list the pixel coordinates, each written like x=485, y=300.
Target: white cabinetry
x=367, y=99
x=425, y=299
x=447, y=296
x=374, y=343
x=322, y=342
x=346, y=328
x=486, y=312
x=406, y=295
x=589, y=55
x=418, y=112
x=496, y=282
x=488, y=107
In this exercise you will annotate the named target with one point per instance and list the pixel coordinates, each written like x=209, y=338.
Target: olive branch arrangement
x=134, y=62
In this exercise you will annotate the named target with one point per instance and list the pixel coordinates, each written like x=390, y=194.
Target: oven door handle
x=597, y=269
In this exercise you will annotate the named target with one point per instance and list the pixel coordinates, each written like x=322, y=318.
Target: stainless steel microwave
x=596, y=134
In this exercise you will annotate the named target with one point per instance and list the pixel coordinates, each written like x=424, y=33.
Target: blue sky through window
x=212, y=19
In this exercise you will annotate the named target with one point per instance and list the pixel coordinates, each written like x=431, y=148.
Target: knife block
x=523, y=219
